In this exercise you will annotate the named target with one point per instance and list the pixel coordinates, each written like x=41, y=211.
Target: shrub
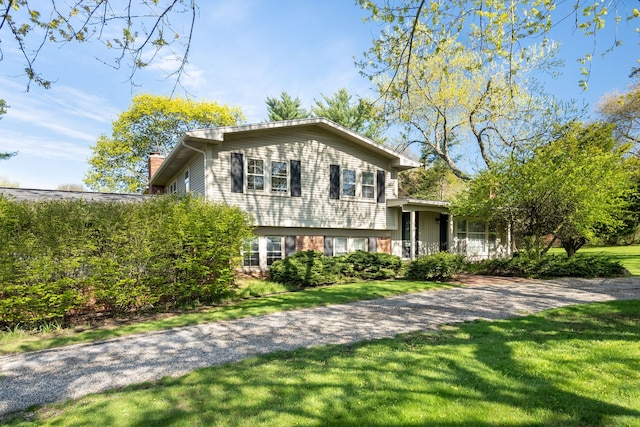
x=373, y=265
x=440, y=266
x=580, y=265
x=312, y=268
x=305, y=269
x=58, y=255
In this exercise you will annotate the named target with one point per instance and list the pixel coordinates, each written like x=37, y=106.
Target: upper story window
x=255, y=174
x=368, y=185
x=187, y=184
x=349, y=182
x=279, y=177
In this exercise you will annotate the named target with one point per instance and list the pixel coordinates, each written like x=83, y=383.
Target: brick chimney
x=155, y=161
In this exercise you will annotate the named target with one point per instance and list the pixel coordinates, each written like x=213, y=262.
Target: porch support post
x=450, y=236
x=412, y=216
x=509, y=248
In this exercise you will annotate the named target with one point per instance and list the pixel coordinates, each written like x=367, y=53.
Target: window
x=173, y=188
x=187, y=187
x=279, y=177
x=339, y=246
x=349, y=183
x=359, y=244
x=474, y=233
x=252, y=253
x=274, y=248
x=367, y=185
x=345, y=245
x=255, y=175
x=476, y=237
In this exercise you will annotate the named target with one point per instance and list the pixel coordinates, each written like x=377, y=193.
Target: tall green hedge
x=62, y=257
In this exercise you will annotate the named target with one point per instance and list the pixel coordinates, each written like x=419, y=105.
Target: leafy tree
x=361, y=116
x=457, y=105
x=118, y=163
x=568, y=189
x=3, y=110
x=135, y=30
x=623, y=109
x=285, y=108
x=435, y=182
x=501, y=31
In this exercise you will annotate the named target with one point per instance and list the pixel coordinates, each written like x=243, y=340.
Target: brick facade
x=305, y=243
x=384, y=245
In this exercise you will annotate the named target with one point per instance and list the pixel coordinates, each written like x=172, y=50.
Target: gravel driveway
x=76, y=370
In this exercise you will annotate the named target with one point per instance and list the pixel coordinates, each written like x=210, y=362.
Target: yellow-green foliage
x=57, y=256
x=118, y=162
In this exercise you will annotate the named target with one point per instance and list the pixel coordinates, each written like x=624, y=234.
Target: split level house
x=313, y=184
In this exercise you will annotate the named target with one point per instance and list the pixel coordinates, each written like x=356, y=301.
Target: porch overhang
x=419, y=205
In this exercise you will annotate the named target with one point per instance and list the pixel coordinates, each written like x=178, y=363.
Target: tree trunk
x=572, y=245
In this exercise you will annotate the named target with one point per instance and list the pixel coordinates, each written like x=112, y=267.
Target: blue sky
x=242, y=52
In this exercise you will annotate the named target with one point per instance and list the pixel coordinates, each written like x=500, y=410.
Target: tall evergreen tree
x=360, y=115
x=285, y=108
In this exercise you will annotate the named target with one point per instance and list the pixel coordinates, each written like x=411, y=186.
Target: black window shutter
x=237, y=173
x=380, y=186
x=296, y=187
x=373, y=247
x=334, y=180
x=289, y=245
x=328, y=246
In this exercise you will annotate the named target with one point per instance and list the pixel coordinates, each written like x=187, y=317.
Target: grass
x=629, y=256
x=575, y=366
x=16, y=340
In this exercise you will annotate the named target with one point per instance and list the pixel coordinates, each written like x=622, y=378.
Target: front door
x=406, y=235
x=444, y=229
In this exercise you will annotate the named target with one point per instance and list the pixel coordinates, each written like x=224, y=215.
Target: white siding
x=428, y=241
x=196, y=176
x=428, y=233
x=196, y=168
x=317, y=151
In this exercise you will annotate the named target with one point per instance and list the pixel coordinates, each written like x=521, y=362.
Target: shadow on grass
x=534, y=370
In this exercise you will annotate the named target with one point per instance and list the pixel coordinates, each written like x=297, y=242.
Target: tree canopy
x=505, y=32
x=623, y=110
x=434, y=183
x=569, y=189
x=136, y=31
x=359, y=115
x=285, y=108
x=153, y=123
x=457, y=108
x=460, y=75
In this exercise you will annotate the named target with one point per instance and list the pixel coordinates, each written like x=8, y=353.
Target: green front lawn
x=22, y=341
x=575, y=366
x=629, y=256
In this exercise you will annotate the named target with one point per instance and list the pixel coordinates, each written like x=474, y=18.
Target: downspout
x=204, y=157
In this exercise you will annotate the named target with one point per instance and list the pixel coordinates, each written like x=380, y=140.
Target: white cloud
x=43, y=147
